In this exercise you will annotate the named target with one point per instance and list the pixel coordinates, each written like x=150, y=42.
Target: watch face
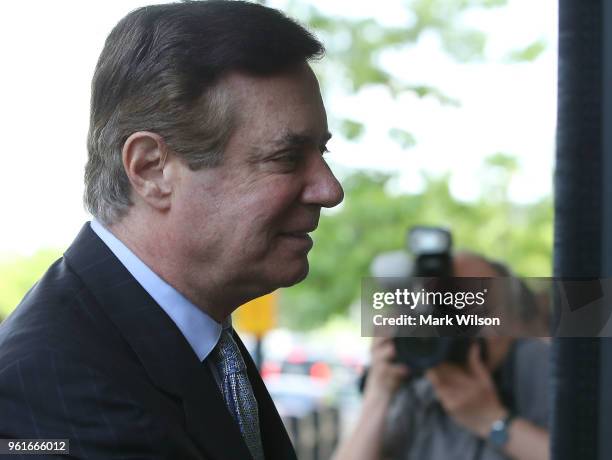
x=499, y=433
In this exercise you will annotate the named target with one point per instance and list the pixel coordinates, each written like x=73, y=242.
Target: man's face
x=245, y=223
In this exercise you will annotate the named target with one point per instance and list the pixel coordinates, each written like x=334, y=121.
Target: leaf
x=351, y=129
x=503, y=161
x=402, y=137
x=528, y=54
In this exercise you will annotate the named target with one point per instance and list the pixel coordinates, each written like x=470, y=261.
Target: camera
x=421, y=353
x=431, y=249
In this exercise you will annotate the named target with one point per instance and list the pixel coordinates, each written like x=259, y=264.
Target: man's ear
x=144, y=158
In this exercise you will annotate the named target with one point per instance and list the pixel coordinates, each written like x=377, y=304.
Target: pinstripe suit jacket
x=89, y=356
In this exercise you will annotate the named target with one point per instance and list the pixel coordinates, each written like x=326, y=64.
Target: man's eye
x=288, y=157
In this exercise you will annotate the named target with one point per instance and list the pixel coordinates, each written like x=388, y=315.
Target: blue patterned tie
x=237, y=391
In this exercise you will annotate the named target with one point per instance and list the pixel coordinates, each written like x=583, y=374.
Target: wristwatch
x=498, y=436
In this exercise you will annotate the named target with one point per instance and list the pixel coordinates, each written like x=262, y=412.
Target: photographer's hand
x=468, y=395
x=384, y=377
x=470, y=398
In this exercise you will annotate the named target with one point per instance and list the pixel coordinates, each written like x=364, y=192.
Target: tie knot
x=226, y=355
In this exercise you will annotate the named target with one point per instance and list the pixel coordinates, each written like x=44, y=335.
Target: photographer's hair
x=522, y=297
x=161, y=70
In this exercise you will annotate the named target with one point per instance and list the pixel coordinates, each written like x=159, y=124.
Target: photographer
x=487, y=409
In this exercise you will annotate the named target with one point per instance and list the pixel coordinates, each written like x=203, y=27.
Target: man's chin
x=295, y=276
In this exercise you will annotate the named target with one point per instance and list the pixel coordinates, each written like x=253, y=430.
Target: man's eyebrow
x=297, y=139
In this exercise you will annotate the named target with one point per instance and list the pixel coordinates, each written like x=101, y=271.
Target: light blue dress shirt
x=200, y=330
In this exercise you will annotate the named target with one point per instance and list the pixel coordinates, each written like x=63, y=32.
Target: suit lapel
x=161, y=348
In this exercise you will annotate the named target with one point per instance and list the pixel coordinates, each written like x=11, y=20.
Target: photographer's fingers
x=385, y=354
x=378, y=342
x=383, y=351
x=399, y=372
x=385, y=375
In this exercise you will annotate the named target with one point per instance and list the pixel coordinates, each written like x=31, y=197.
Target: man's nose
x=322, y=188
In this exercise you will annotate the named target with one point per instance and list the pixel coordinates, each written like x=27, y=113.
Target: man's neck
x=153, y=249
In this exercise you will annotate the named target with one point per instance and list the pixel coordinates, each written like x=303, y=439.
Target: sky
x=49, y=51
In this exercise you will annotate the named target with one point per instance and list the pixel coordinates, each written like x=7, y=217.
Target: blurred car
x=306, y=381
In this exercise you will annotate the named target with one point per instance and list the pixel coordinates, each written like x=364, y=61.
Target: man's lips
x=300, y=233
x=296, y=234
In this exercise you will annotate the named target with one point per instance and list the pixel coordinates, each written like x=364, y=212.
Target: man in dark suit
x=205, y=176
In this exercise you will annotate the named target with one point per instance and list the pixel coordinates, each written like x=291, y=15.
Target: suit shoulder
x=57, y=313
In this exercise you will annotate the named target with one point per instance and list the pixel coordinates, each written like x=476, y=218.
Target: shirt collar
x=200, y=330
